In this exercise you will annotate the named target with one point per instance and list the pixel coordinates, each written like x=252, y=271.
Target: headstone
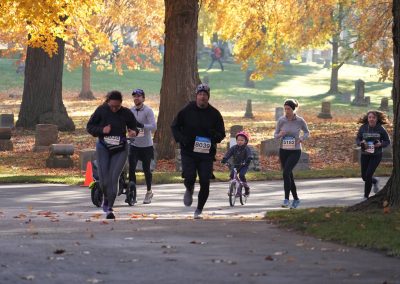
x=7, y=120
x=86, y=155
x=249, y=83
x=153, y=162
x=249, y=111
x=327, y=63
x=46, y=135
x=384, y=104
x=233, y=131
x=206, y=80
x=359, y=99
x=269, y=147
x=60, y=156
x=325, y=110
x=345, y=97
x=387, y=155
x=255, y=162
x=5, y=142
x=304, y=162
x=278, y=113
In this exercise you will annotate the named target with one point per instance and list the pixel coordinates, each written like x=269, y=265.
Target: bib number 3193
x=202, y=145
x=288, y=143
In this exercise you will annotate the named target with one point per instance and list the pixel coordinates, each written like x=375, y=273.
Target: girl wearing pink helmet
x=241, y=155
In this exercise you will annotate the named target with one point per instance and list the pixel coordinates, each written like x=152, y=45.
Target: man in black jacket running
x=198, y=128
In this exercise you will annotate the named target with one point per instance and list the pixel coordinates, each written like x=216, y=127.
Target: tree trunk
x=42, y=95
x=334, y=86
x=389, y=196
x=86, y=92
x=180, y=74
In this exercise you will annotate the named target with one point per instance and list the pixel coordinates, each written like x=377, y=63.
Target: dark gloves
x=363, y=146
x=139, y=125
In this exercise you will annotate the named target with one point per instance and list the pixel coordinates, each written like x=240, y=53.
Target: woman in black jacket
x=109, y=123
x=372, y=137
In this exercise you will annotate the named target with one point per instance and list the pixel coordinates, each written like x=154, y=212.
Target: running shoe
x=148, y=197
x=188, y=197
x=295, y=204
x=247, y=191
x=110, y=214
x=197, y=214
x=376, y=186
x=285, y=203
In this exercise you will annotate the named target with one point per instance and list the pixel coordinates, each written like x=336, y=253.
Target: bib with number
x=112, y=140
x=288, y=143
x=202, y=145
x=141, y=132
x=370, y=147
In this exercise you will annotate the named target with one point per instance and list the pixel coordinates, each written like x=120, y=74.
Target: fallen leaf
x=59, y=251
x=270, y=258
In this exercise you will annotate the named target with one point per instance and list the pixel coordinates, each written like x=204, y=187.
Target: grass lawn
x=372, y=230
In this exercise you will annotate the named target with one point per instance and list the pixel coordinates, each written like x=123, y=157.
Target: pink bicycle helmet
x=244, y=134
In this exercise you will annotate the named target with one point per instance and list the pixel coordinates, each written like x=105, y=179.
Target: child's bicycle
x=236, y=187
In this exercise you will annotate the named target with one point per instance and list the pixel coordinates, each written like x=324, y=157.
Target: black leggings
x=369, y=163
x=144, y=154
x=201, y=164
x=289, y=159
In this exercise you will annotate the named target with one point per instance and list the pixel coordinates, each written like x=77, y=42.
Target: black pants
x=144, y=154
x=289, y=159
x=201, y=164
x=369, y=163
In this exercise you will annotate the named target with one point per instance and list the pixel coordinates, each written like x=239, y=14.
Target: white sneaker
x=197, y=214
x=148, y=197
x=376, y=186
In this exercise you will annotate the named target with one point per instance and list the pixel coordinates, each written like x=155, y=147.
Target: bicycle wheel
x=243, y=197
x=131, y=194
x=232, y=193
x=96, y=194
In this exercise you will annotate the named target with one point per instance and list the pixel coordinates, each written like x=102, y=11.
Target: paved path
x=52, y=234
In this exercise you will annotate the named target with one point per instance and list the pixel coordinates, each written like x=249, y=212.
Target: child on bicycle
x=242, y=156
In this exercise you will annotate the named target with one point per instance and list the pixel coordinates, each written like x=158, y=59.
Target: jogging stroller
x=125, y=187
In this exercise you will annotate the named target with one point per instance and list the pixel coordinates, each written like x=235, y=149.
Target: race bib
x=141, y=132
x=288, y=143
x=202, y=145
x=370, y=147
x=112, y=140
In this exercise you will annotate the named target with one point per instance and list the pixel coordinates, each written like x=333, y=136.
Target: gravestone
x=60, y=156
x=46, y=135
x=345, y=97
x=269, y=147
x=233, y=131
x=153, y=162
x=278, y=113
x=249, y=83
x=86, y=155
x=5, y=139
x=7, y=120
x=304, y=162
x=387, y=154
x=255, y=162
x=384, y=104
x=206, y=80
x=325, y=110
x=359, y=99
x=249, y=111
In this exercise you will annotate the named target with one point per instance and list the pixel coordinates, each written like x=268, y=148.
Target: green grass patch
x=372, y=229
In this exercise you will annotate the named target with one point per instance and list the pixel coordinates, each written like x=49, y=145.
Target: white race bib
x=288, y=143
x=370, y=147
x=141, y=132
x=112, y=140
x=202, y=145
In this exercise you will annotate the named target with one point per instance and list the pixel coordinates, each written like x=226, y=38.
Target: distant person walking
x=216, y=55
x=372, y=137
x=141, y=149
x=288, y=130
x=109, y=123
x=198, y=127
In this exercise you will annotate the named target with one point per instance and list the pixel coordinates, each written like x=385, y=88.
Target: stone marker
x=86, y=155
x=5, y=142
x=46, y=135
x=303, y=163
x=384, y=104
x=325, y=110
x=278, y=113
x=359, y=99
x=269, y=147
x=345, y=97
x=249, y=111
x=60, y=156
x=153, y=162
x=7, y=120
x=387, y=154
x=233, y=131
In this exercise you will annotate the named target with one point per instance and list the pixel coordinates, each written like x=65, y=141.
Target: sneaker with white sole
x=148, y=197
x=197, y=214
x=376, y=186
x=295, y=204
x=285, y=203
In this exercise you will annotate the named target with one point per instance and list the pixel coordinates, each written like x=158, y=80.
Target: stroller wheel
x=131, y=193
x=96, y=194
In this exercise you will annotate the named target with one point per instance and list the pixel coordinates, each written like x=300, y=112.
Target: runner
x=109, y=123
x=142, y=147
x=372, y=137
x=288, y=131
x=198, y=127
